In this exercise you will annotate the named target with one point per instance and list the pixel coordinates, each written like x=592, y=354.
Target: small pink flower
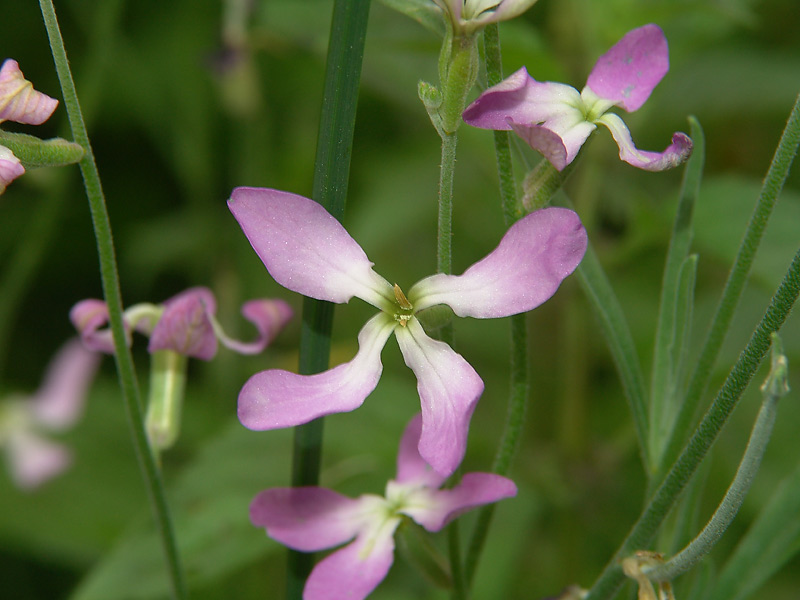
x=185, y=323
x=19, y=102
x=10, y=168
x=468, y=16
x=315, y=518
x=308, y=251
x=556, y=119
x=55, y=407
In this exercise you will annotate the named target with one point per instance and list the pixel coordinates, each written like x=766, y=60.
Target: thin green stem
x=773, y=183
x=444, y=245
x=113, y=297
x=706, y=434
x=774, y=388
x=332, y=171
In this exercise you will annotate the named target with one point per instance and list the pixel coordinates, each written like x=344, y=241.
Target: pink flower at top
x=308, y=251
x=315, y=518
x=468, y=16
x=55, y=407
x=185, y=323
x=556, y=119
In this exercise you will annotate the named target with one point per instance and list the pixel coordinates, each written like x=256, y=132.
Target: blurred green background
x=185, y=101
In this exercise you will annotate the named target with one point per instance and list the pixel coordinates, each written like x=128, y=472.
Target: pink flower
x=468, y=16
x=308, y=251
x=556, y=119
x=185, y=323
x=55, y=407
x=314, y=518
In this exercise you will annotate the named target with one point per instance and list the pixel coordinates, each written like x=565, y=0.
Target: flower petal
x=449, y=389
x=88, y=316
x=10, y=168
x=532, y=260
x=185, y=325
x=559, y=148
x=59, y=401
x=307, y=518
x=274, y=399
x=475, y=489
x=305, y=249
x=631, y=69
x=356, y=570
x=34, y=460
x=19, y=101
x=678, y=151
x=269, y=317
x=411, y=467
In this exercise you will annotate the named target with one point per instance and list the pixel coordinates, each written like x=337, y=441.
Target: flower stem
x=774, y=388
x=113, y=298
x=332, y=170
x=706, y=434
x=444, y=256
x=773, y=183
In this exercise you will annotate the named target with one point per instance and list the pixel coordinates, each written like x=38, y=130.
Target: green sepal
x=165, y=401
x=435, y=317
x=414, y=544
x=541, y=183
x=432, y=100
x=33, y=152
x=462, y=72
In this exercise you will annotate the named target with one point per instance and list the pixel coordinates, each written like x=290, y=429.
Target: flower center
x=405, y=310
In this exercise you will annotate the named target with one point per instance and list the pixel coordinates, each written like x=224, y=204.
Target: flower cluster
x=556, y=119
x=20, y=103
x=308, y=251
x=314, y=518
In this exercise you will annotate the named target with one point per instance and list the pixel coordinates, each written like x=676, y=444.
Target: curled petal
x=532, y=260
x=475, y=489
x=274, y=399
x=411, y=468
x=88, y=316
x=60, y=399
x=631, y=69
x=356, y=570
x=34, y=460
x=19, y=101
x=269, y=317
x=449, y=389
x=307, y=518
x=305, y=249
x=560, y=148
x=185, y=325
x=678, y=151
x=10, y=168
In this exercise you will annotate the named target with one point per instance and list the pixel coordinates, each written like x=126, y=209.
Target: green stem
x=773, y=183
x=774, y=388
x=706, y=434
x=444, y=256
x=113, y=298
x=332, y=171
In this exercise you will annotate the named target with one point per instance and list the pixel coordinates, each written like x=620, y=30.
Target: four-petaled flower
x=55, y=407
x=185, y=323
x=19, y=102
x=308, y=251
x=314, y=518
x=468, y=16
x=556, y=120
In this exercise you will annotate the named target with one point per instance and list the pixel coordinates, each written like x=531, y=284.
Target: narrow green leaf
x=422, y=11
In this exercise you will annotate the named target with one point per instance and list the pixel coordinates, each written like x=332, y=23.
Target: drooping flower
x=468, y=16
x=315, y=518
x=55, y=407
x=555, y=119
x=185, y=324
x=308, y=251
x=19, y=102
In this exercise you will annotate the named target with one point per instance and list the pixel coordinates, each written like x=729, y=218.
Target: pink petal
x=356, y=570
x=307, y=518
x=475, y=489
x=269, y=317
x=19, y=101
x=60, y=399
x=34, y=460
x=677, y=152
x=185, y=325
x=532, y=260
x=559, y=148
x=411, y=468
x=631, y=69
x=449, y=389
x=305, y=249
x=10, y=168
x=274, y=399
x=88, y=316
